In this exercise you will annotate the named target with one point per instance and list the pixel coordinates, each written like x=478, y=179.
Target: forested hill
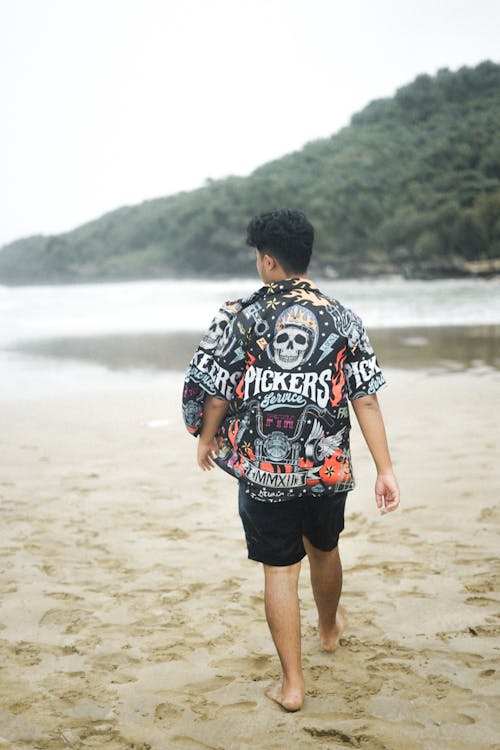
x=411, y=186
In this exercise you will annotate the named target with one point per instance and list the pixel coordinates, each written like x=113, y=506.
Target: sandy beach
x=130, y=618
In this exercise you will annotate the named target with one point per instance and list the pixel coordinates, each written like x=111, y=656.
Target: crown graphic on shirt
x=298, y=316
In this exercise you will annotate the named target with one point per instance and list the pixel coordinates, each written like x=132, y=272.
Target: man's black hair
x=286, y=234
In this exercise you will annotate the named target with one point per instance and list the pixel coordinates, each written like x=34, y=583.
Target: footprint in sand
x=347, y=740
x=487, y=673
x=175, y=597
x=73, y=620
x=27, y=653
x=49, y=570
x=258, y=668
x=189, y=743
x=165, y=654
x=356, y=523
x=98, y=735
x=8, y=588
x=204, y=708
x=197, y=696
x=64, y=596
x=239, y=708
x=488, y=631
x=166, y=713
x=491, y=513
x=112, y=662
x=175, y=534
x=113, y=565
x=485, y=586
x=415, y=508
x=8, y=551
x=464, y=719
x=481, y=601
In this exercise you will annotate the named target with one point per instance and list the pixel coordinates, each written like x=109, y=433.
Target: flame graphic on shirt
x=338, y=378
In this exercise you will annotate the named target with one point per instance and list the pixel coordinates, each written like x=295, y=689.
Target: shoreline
x=488, y=269
x=130, y=614
x=439, y=348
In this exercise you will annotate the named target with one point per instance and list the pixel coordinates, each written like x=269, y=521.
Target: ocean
x=79, y=337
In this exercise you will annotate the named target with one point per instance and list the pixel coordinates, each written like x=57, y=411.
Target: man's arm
x=214, y=411
x=370, y=420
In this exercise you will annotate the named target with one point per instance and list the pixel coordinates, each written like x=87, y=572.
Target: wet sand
x=130, y=618
x=448, y=349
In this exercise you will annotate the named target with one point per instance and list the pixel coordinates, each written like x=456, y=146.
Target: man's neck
x=278, y=275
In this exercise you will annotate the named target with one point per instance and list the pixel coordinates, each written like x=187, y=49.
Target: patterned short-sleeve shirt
x=288, y=359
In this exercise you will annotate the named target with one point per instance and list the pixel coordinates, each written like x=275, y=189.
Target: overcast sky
x=112, y=102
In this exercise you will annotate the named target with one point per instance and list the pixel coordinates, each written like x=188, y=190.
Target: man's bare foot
x=330, y=639
x=290, y=698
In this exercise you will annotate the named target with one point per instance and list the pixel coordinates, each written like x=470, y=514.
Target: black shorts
x=274, y=531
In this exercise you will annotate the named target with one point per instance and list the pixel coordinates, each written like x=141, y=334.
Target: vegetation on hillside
x=411, y=186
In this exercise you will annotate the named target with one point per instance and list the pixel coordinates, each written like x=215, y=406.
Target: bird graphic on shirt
x=320, y=446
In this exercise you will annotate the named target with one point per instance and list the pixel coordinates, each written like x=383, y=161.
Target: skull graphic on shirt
x=218, y=337
x=295, y=337
x=291, y=345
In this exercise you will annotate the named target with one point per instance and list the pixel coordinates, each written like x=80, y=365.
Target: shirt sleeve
x=362, y=371
x=219, y=361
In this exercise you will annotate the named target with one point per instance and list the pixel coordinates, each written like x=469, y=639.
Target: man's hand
x=214, y=411
x=370, y=420
x=207, y=451
x=386, y=492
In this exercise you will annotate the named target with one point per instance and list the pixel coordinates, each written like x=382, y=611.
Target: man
x=267, y=392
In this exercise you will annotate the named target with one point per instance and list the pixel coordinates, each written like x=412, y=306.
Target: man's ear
x=270, y=263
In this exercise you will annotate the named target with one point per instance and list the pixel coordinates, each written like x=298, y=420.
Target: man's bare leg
x=283, y=618
x=326, y=581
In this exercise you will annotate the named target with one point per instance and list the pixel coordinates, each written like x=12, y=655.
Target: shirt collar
x=285, y=285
